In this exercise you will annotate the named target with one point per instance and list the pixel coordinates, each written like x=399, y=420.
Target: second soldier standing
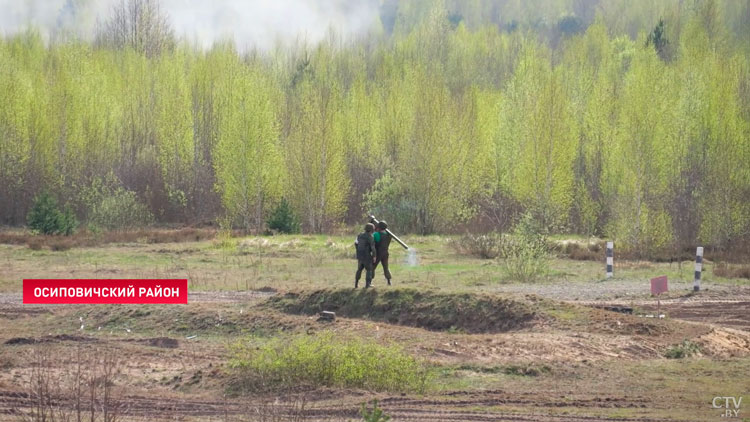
x=366, y=255
x=382, y=242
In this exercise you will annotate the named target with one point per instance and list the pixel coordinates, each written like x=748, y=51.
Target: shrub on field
x=683, y=350
x=112, y=207
x=35, y=243
x=283, y=219
x=484, y=246
x=326, y=360
x=585, y=252
x=526, y=251
x=118, y=210
x=60, y=244
x=390, y=197
x=46, y=218
x=374, y=415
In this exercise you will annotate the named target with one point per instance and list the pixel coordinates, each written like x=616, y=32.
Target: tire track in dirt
x=399, y=408
x=731, y=313
x=456, y=406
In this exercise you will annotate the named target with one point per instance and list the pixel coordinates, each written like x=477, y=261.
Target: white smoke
x=412, y=257
x=250, y=23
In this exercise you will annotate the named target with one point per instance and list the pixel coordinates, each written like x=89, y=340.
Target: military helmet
x=382, y=225
x=369, y=227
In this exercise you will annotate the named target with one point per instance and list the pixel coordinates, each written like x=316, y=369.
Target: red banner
x=73, y=290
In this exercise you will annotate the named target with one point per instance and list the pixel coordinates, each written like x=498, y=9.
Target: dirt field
x=566, y=360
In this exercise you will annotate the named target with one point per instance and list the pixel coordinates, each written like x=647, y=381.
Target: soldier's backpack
x=360, y=244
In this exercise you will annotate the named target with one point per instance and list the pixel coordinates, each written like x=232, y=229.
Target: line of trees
x=608, y=121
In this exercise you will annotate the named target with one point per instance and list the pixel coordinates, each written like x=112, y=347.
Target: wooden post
x=610, y=259
x=659, y=285
x=658, y=307
x=698, y=268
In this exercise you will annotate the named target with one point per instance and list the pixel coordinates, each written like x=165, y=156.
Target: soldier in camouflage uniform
x=382, y=242
x=366, y=255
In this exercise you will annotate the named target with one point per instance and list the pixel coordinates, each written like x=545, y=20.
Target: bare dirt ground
x=719, y=304
x=585, y=364
x=591, y=375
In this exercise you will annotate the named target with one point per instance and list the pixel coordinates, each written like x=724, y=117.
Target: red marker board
x=659, y=285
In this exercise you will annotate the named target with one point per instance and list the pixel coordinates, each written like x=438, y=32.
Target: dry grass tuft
x=731, y=271
x=589, y=252
x=85, y=238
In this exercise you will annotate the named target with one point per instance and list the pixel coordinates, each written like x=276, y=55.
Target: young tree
x=138, y=24
x=174, y=129
x=639, y=166
x=538, y=139
x=249, y=165
x=318, y=183
x=658, y=39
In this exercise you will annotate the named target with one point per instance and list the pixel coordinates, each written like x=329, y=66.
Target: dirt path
x=625, y=290
x=727, y=307
x=724, y=305
x=453, y=406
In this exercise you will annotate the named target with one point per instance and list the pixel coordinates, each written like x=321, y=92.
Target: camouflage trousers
x=369, y=272
x=386, y=272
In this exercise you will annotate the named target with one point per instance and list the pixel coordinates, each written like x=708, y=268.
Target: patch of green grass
x=563, y=312
x=682, y=350
x=325, y=359
x=374, y=415
x=526, y=370
x=293, y=262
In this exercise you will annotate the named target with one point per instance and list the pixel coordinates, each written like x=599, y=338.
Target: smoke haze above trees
x=260, y=24
x=265, y=24
x=628, y=119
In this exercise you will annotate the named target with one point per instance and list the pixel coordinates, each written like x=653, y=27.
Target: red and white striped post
x=698, y=268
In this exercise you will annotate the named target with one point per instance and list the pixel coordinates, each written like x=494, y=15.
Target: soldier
x=382, y=242
x=366, y=255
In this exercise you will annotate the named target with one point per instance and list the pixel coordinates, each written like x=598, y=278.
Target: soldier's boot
x=389, y=281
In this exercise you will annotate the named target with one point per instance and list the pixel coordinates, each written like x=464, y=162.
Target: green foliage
x=526, y=251
x=387, y=197
x=283, y=219
x=569, y=25
x=658, y=39
x=248, y=161
x=537, y=127
x=46, y=218
x=374, y=415
x=112, y=207
x=599, y=119
x=328, y=360
x=68, y=222
x=682, y=350
x=318, y=183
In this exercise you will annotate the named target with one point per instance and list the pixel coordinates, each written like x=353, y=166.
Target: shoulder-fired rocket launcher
x=375, y=221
